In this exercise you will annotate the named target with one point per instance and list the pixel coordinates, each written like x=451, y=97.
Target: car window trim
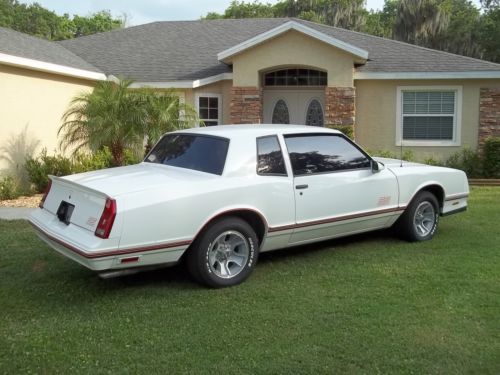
x=257, y=153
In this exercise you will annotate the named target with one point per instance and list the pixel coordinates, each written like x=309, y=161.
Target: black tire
x=420, y=220
x=225, y=253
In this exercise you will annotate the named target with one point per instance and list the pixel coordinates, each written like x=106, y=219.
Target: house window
x=280, y=113
x=295, y=77
x=314, y=116
x=429, y=116
x=209, y=108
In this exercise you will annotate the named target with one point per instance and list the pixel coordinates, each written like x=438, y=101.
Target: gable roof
x=23, y=50
x=360, y=53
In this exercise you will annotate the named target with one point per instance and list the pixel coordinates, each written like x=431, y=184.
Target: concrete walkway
x=15, y=213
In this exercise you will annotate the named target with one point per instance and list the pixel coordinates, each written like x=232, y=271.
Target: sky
x=144, y=11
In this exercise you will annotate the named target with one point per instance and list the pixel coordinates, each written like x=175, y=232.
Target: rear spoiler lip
x=75, y=185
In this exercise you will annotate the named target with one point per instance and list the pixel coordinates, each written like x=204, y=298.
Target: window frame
x=257, y=157
x=457, y=116
x=297, y=135
x=219, y=106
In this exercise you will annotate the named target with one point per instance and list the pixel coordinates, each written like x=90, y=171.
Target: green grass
x=366, y=304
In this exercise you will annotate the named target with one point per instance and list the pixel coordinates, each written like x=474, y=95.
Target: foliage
x=468, y=161
x=114, y=116
x=432, y=161
x=36, y=20
x=348, y=130
x=84, y=162
x=489, y=34
x=44, y=165
x=408, y=155
x=491, y=157
x=367, y=304
x=14, y=152
x=9, y=189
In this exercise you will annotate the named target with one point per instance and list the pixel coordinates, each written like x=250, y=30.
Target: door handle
x=305, y=186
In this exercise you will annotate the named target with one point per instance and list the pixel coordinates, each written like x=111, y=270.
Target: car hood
x=397, y=163
x=122, y=180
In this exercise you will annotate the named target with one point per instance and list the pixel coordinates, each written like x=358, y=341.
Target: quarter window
x=319, y=153
x=269, y=157
x=209, y=111
x=429, y=116
x=201, y=153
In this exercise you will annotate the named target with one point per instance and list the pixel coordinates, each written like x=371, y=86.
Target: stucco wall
x=288, y=49
x=35, y=99
x=376, y=114
x=221, y=87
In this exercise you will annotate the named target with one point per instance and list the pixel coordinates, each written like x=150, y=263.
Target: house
x=263, y=71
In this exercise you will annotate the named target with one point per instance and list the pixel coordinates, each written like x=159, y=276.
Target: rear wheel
x=419, y=221
x=225, y=253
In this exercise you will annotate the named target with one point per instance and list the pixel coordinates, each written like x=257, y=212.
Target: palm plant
x=116, y=116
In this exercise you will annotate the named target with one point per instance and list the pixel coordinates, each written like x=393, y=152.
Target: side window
x=269, y=157
x=322, y=153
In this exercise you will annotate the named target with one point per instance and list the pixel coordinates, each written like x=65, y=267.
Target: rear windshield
x=199, y=152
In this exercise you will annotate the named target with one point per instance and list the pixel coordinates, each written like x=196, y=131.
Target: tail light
x=45, y=193
x=107, y=219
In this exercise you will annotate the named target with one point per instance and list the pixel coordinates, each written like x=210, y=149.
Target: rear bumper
x=97, y=254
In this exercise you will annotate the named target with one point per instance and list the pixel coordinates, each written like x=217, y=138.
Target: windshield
x=199, y=152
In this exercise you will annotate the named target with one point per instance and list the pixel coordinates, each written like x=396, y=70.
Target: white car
x=219, y=196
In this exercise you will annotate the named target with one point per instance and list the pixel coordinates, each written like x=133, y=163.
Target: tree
x=489, y=34
x=120, y=118
x=420, y=22
x=36, y=20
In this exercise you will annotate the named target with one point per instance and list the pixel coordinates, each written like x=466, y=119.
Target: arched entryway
x=294, y=96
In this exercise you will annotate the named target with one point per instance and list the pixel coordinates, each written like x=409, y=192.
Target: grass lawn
x=366, y=304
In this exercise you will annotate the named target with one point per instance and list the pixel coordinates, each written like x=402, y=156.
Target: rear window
x=199, y=152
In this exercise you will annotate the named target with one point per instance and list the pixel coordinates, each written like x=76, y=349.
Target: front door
x=336, y=192
x=300, y=107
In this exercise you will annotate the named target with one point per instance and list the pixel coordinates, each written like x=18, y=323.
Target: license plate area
x=65, y=211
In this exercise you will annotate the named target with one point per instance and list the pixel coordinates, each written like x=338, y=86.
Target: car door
x=336, y=191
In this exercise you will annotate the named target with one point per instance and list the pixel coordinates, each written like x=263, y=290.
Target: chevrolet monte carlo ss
x=218, y=196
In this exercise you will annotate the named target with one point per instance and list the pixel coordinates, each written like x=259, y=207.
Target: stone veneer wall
x=489, y=115
x=246, y=105
x=340, y=106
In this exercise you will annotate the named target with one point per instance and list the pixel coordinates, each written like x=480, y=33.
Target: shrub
x=39, y=168
x=432, y=161
x=491, y=157
x=9, y=189
x=348, y=130
x=383, y=154
x=90, y=162
x=468, y=161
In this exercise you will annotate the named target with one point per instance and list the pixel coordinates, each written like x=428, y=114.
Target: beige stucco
x=222, y=88
x=376, y=114
x=291, y=49
x=36, y=99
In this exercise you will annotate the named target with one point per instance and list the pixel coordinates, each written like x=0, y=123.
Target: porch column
x=489, y=115
x=246, y=105
x=340, y=107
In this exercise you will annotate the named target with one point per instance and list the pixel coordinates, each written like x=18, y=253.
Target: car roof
x=257, y=130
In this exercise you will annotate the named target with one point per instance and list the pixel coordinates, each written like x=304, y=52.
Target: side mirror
x=376, y=166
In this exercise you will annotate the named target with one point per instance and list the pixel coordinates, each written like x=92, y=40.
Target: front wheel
x=225, y=253
x=419, y=221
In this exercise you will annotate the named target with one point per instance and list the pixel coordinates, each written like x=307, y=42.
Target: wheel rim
x=228, y=254
x=424, y=219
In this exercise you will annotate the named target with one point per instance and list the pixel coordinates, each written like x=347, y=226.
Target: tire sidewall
x=421, y=198
x=206, y=242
